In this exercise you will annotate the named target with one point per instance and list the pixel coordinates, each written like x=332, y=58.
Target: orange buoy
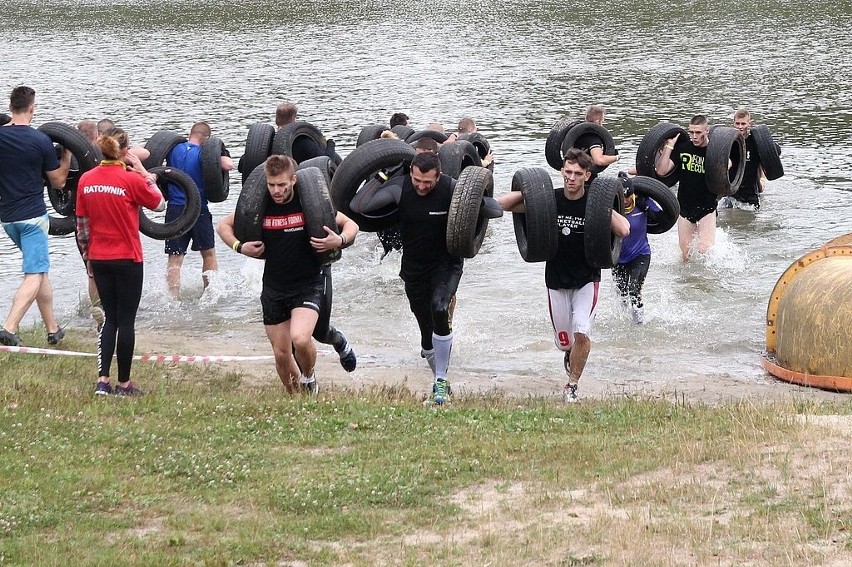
x=808, y=318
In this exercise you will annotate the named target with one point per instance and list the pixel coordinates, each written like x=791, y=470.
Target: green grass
x=207, y=471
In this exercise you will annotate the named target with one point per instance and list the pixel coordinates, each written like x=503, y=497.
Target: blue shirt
x=25, y=154
x=187, y=158
x=636, y=244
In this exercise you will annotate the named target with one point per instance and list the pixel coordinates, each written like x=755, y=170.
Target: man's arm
x=600, y=158
x=664, y=164
x=225, y=229
x=227, y=163
x=348, y=230
x=619, y=224
x=513, y=201
x=376, y=194
x=57, y=177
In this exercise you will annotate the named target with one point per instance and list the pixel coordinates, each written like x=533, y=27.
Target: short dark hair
x=466, y=125
x=21, y=99
x=285, y=113
x=698, y=120
x=399, y=119
x=578, y=156
x=426, y=161
x=201, y=128
x=278, y=164
x=426, y=143
x=105, y=124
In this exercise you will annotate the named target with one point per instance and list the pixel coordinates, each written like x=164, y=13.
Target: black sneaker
x=347, y=359
x=55, y=338
x=309, y=388
x=128, y=390
x=9, y=339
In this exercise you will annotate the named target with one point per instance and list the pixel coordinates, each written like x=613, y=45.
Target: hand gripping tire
x=768, y=151
x=646, y=153
x=160, y=144
x=456, y=156
x=251, y=204
x=603, y=247
x=216, y=180
x=325, y=164
x=663, y=196
x=359, y=167
x=402, y=131
x=370, y=133
x=258, y=148
x=535, y=229
x=282, y=143
x=186, y=221
x=465, y=224
x=318, y=209
x=86, y=156
x=553, y=145
x=479, y=142
x=726, y=144
x=578, y=130
x=439, y=137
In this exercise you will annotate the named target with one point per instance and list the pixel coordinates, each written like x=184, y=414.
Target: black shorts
x=201, y=234
x=695, y=213
x=278, y=305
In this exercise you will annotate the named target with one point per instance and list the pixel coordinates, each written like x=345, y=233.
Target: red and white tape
x=169, y=358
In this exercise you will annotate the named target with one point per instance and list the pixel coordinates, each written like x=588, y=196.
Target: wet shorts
x=278, y=305
x=696, y=213
x=201, y=234
x=572, y=311
x=31, y=237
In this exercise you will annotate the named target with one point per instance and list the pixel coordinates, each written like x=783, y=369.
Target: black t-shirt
x=423, y=221
x=290, y=259
x=569, y=269
x=749, y=186
x=586, y=142
x=305, y=148
x=692, y=189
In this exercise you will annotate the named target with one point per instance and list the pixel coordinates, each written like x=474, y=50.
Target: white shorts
x=572, y=311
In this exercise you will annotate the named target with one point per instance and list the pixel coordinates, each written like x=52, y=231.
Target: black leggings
x=630, y=277
x=119, y=285
x=324, y=332
x=429, y=299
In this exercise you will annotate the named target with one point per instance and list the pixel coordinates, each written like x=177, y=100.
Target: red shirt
x=110, y=196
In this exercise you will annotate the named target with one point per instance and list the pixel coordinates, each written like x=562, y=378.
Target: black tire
x=360, y=166
x=466, y=225
x=325, y=164
x=317, y=208
x=603, y=247
x=282, y=143
x=258, y=148
x=582, y=128
x=479, y=142
x=768, y=151
x=160, y=144
x=439, y=137
x=456, y=156
x=251, y=204
x=726, y=144
x=86, y=156
x=216, y=180
x=370, y=133
x=402, y=131
x=60, y=226
x=646, y=153
x=187, y=220
x=535, y=229
x=657, y=190
x=553, y=145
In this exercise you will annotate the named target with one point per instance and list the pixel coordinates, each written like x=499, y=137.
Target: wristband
x=342, y=240
x=236, y=246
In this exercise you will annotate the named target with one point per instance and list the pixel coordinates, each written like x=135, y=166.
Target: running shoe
x=441, y=391
x=56, y=338
x=309, y=388
x=103, y=389
x=347, y=356
x=569, y=394
x=129, y=390
x=9, y=339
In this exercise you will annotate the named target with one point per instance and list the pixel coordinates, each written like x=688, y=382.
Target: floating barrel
x=808, y=318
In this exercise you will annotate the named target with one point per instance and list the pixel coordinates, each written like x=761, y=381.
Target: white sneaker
x=569, y=394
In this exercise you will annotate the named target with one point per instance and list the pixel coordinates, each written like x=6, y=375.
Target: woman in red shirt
x=108, y=201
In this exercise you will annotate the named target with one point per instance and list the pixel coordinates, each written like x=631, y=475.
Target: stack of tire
x=564, y=135
x=389, y=159
x=263, y=141
x=85, y=156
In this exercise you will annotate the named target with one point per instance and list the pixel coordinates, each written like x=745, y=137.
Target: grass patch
x=206, y=470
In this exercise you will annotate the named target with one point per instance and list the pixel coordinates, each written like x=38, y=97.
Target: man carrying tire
x=697, y=202
x=572, y=283
x=25, y=155
x=187, y=158
x=754, y=178
x=294, y=282
x=430, y=273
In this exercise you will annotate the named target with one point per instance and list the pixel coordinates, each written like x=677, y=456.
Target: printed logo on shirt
x=438, y=212
x=568, y=224
x=693, y=163
x=288, y=223
x=108, y=189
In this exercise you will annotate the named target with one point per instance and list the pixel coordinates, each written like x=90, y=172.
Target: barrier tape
x=169, y=358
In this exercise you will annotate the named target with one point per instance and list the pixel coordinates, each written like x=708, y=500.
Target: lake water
x=517, y=67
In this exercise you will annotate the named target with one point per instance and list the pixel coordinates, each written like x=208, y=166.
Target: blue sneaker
x=103, y=389
x=128, y=390
x=441, y=391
